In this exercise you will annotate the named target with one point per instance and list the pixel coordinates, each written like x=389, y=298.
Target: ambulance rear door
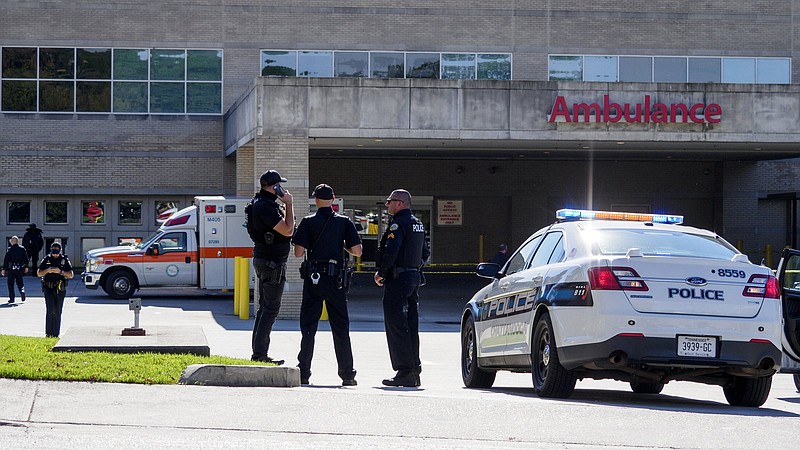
x=223, y=236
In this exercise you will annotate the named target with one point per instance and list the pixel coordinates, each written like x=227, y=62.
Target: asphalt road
x=440, y=414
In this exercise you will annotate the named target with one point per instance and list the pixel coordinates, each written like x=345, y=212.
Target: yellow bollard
x=358, y=264
x=768, y=255
x=480, y=248
x=236, y=291
x=244, y=286
x=324, y=315
x=739, y=245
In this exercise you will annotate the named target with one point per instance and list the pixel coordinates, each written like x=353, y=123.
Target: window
x=669, y=70
x=386, y=65
x=635, y=69
x=19, y=212
x=107, y=80
x=566, y=68
x=172, y=242
x=494, y=66
x=315, y=64
x=739, y=70
x=94, y=212
x=164, y=210
x=91, y=244
x=773, y=71
x=546, y=250
x=422, y=65
x=55, y=212
x=278, y=63
x=457, y=66
x=705, y=70
x=600, y=68
x=351, y=64
x=130, y=213
x=519, y=260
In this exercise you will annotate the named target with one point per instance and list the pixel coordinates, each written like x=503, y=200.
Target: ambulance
x=195, y=247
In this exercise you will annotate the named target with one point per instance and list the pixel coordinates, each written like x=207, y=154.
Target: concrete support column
x=289, y=156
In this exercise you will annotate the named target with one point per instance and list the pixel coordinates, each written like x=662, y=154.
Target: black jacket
x=16, y=258
x=33, y=240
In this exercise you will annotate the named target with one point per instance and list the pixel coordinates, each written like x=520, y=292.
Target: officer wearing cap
x=55, y=269
x=270, y=226
x=401, y=253
x=322, y=238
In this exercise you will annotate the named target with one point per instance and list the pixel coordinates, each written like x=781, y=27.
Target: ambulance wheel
x=120, y=285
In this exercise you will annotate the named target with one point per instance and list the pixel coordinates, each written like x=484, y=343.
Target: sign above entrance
x=645, y=112
x=449, y=212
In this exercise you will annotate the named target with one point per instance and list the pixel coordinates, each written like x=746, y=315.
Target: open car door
x=789, y=279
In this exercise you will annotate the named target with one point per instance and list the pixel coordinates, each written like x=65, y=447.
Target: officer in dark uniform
x=270, y=226
x=15, y=265
x=55, y=269
x=322, y=237
x=401, y=253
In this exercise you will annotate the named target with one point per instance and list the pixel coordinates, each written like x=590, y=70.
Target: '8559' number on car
x=730, y=273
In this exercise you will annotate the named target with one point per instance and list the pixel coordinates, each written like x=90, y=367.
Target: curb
x=240, y=376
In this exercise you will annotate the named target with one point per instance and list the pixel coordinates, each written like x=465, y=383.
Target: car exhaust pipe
x=767, y=364
x=618, y=358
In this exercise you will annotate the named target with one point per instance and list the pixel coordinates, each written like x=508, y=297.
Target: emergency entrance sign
x=449, y=212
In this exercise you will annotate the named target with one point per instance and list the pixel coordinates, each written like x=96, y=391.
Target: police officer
x=401, y=253
x=321, y=237
x=15, y=265
x=270, y=226
x=55, y=269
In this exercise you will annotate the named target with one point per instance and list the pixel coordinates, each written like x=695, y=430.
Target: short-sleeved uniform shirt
x=339, y=233
x=266, y=213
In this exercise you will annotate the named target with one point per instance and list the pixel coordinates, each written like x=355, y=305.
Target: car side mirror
x=153, y=250
x=488, y=270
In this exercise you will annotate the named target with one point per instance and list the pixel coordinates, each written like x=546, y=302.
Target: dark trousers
x=310, y=310
x=33, y=259
x=15, y=276
x=401, y=317
x=54, y=302
x=269, y=304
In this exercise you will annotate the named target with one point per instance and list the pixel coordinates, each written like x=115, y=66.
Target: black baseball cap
x=323, y=192
x=271, y=177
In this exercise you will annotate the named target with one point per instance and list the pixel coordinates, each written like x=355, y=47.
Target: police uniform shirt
x=60, y=261
x=266, y=213
x=339, y=229
x=403, y=244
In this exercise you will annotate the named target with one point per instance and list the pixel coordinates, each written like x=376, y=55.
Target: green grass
x=32, y=358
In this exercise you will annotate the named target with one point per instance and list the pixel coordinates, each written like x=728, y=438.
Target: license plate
x=697, y=346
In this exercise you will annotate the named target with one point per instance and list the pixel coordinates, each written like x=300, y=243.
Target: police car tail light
x=616, y=279
x=585, y=214
x=177, y=221
x=766, y=286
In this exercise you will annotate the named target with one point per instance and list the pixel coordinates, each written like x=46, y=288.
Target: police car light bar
x=585, y=214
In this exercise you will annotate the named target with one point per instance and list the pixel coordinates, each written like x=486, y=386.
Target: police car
x=633, y=297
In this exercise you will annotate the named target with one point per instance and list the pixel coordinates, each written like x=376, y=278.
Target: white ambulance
x=195, y=247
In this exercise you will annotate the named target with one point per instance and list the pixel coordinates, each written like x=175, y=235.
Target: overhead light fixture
x=378, y=140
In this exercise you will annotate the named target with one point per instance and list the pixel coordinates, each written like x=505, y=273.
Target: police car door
x=530, y=287
x=174, y=264
x=497, y=308
x=789, y=279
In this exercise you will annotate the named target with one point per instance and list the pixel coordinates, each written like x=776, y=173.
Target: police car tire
x=646, y=388
x=550, y=378
x=472, y=375
x=745, y=391
x=116, y=281
x=797, y=381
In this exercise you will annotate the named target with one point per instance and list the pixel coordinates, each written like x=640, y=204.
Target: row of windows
x=670, y=69
x=443, y=66
x=106, y=80
x=93, y=212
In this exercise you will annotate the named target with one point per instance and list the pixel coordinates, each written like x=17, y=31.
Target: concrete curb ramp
x=240, y=376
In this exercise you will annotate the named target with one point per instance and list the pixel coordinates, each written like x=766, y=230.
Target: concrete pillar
x=289, y=156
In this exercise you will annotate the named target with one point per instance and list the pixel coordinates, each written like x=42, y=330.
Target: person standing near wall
x=322, y=238
x=401, y=254
x=270, y=226
x=33, y=241
x=15, y=265
x=55, y=271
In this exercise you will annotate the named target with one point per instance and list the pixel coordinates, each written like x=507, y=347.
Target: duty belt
x=399, y=270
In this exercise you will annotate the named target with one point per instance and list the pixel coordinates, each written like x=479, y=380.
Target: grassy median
x=32, y=358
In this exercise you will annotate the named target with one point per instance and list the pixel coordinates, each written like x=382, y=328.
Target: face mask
x=55, y=251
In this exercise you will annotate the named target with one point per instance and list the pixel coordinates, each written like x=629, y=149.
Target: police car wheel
x=744, y=391
x=550, y=378
x=472, y=375
x=797, y=381
x=120, y=286
x=646, y=388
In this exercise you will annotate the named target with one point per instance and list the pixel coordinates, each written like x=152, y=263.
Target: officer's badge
x=393, y=227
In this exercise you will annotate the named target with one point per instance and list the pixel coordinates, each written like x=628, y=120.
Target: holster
x=275, y=272
x=305, y=270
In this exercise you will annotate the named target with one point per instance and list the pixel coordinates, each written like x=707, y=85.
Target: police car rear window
x=658, y=243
